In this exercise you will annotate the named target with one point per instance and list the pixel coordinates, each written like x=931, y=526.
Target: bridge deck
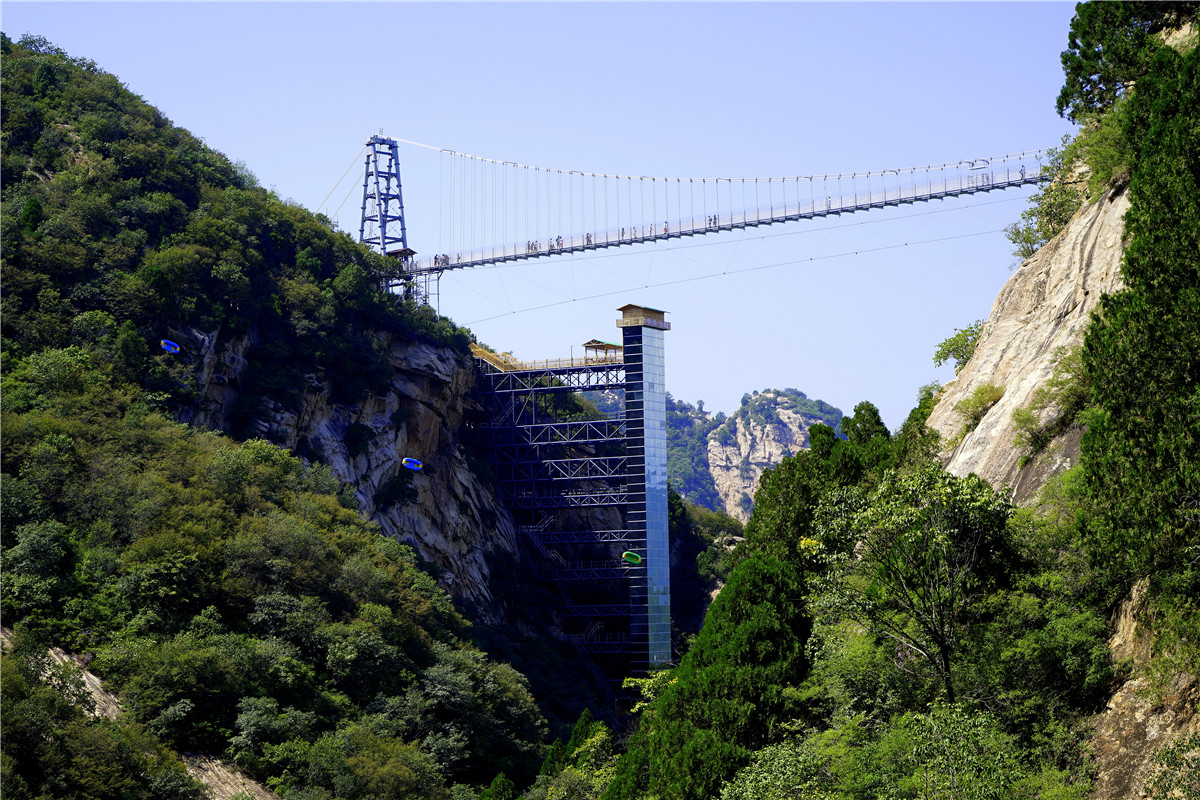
x=971, y=183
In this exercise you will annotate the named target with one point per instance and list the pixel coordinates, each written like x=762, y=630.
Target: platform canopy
x=642, y=316
x=608, y=347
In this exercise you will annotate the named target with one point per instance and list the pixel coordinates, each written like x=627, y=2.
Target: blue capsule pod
x=412, y=464
x=169, y=346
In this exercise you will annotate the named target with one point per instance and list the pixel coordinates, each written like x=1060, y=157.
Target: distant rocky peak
x=768, y=427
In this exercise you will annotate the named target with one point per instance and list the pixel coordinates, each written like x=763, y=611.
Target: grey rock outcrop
x=1140, y=718
x=1045, y=305
x=737, y=462
x=445, y=511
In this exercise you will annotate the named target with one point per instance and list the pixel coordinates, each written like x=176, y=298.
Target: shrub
x=1050, y=209
x=1066, y=394
x=974, y=406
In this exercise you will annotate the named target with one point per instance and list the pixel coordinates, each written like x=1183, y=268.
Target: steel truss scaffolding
x=578, y=491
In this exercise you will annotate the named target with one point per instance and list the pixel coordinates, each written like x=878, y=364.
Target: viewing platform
x=594, y=356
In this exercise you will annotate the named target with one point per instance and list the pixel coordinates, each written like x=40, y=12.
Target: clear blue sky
x=679, y=89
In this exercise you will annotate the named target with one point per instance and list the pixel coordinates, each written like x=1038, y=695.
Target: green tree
x=1110, y=46
x=785, y=770
x=786, y=501
x=1142, y=352
x=865, y=425
x=910, y=563
x=959, y=347
x=916, y=442
x=53, y=749
x=729, y=695
x=1049, y=211
x=960, y=754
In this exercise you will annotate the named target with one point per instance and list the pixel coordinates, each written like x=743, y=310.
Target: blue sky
x=677, y=89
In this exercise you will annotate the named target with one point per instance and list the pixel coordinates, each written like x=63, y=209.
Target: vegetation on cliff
x=117, y=223
x=690, y=429
x=238, y=606
x=1141, y=451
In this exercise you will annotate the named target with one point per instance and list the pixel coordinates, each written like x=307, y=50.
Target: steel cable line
x=765, y=236
x=736, y=272
x=353, y=161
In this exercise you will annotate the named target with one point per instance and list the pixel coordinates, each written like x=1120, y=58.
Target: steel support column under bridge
x=590, y=495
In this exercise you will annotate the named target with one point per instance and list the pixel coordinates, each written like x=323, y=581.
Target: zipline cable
x=734, y=272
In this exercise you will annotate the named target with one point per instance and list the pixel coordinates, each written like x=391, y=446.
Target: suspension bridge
x=589, y=496
x=492, y=212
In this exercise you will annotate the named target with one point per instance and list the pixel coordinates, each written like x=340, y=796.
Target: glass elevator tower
x=646, y=448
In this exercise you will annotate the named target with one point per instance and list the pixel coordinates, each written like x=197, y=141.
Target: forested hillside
x=766, y=427
x=688, y=428
x=229, y=591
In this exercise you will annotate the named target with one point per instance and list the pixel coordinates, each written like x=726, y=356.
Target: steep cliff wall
x=1046, y=304
x=445, y=511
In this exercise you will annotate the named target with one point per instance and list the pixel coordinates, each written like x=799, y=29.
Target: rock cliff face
x=747, y=443
x=1046, y=304
x=450, y=516
x=1139, y=721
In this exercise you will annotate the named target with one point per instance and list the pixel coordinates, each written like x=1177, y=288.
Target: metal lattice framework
x=382, y=224
x=561, y=478
x=550, y=468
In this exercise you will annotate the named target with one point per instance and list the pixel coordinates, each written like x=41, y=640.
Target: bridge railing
x=787, y=199
x=506, y=363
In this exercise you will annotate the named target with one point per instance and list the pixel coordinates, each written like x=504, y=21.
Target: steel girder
x=566, y=469
x=585, y=432
x=592, y=571
x=598, y=499
x=562, y=379
x=586, y=537
x=606, y=643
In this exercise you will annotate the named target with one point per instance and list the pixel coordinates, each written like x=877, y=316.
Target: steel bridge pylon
x=382, y=226
x=587, y=492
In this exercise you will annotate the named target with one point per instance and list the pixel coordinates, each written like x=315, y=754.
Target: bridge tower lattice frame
x=383, y=199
